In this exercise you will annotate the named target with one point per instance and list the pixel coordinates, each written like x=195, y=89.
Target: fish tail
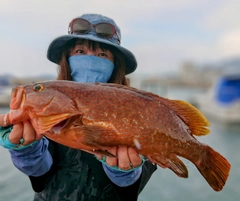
x=214, y=168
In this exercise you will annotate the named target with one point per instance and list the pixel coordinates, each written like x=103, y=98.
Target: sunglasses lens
x=104, y=30
x=81, y=26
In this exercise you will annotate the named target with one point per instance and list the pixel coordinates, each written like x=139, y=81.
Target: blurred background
x=187, y=50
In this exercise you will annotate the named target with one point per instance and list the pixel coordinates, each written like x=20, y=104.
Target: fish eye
x=38, y=87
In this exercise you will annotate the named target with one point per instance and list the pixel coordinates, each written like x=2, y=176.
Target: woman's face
x=82, y=48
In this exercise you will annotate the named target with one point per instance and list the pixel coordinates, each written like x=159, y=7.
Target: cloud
x=229, y=43
x=225, y=16
x=162, y=34
x=24, y=61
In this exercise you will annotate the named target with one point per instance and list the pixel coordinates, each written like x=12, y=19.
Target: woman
x=91, y=52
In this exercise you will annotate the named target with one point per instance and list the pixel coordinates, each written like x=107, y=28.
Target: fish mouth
x=59, y=126
x=67, y=123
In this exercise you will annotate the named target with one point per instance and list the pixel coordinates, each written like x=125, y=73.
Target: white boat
x=222, y=101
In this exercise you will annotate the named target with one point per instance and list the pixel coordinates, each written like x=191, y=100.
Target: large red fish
x=93, y=116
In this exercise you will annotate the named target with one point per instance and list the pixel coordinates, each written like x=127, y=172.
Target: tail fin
x=215, y=169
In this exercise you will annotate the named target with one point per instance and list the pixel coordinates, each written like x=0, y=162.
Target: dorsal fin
x=129, y=88
x=193, y=118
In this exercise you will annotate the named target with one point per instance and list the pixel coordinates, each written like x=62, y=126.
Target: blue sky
x=162, y=34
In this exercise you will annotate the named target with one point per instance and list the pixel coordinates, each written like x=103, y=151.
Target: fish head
x=44, y=105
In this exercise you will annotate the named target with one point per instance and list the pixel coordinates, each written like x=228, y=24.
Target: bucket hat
x=56, y=47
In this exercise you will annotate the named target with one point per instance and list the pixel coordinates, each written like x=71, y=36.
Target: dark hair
x=118, y=75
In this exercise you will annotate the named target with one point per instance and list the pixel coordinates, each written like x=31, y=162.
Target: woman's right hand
x=22, y=134
x=23, y=131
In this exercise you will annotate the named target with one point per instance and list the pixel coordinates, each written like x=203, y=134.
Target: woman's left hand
x=126, y=158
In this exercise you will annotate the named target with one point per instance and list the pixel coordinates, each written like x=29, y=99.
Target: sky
x=161, y=34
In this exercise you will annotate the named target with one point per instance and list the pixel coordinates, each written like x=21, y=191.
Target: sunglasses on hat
x=82, y=26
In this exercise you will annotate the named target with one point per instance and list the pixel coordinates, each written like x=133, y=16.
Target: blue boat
x=222, y=101
x=228, y=89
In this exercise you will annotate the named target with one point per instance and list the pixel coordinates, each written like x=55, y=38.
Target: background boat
x=222, y=101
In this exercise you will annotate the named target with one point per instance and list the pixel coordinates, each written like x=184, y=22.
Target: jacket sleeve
x=132, y=192
x=120, y=178
x=34, y=160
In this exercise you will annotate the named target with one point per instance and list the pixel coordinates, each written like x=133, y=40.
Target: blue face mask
x=89, y=68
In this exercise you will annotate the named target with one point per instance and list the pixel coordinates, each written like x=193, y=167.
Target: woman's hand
x=22, y=133
x=126, y=158
x=3, y=120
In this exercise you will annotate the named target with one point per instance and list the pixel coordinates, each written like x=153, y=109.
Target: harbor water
x=164, y=184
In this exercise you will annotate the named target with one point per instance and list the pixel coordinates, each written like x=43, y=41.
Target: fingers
x=29, y=134
x=99, y=156
x=127, y=158
x=123, y=158
x=134, y=157
x=112, y=161
x=16, y=134
x=23, y=131
x=3, y=120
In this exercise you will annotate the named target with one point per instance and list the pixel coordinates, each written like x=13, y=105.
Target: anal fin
x=174, y=163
